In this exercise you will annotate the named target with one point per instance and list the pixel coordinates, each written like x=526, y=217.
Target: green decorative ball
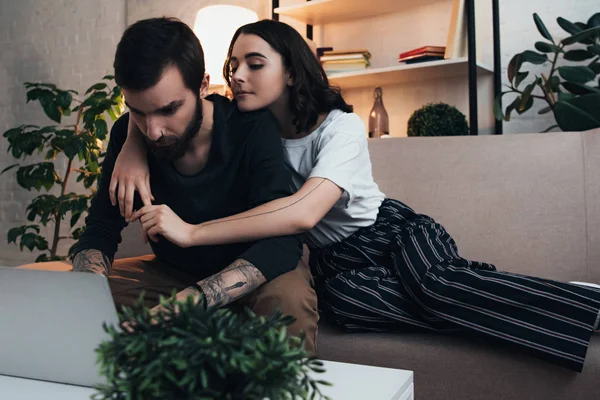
x=437, y=119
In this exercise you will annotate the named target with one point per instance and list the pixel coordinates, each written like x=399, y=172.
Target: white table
x=350, y=381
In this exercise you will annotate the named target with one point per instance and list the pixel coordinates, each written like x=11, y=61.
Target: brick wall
x=67, y=42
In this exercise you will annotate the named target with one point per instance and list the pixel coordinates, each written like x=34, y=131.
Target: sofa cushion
x=448, y=367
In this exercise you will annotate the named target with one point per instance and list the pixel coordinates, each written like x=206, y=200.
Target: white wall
x=518, y=33
x=386, y=36
x=67, y=42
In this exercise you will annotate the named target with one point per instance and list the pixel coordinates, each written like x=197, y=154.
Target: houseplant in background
x=571, y=91
x=78, y=144
x=437, y=119
x=188, y=352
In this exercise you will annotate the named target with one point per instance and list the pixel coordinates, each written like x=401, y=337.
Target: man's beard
x=178, y=146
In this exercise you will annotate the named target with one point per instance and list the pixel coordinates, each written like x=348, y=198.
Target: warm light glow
x=215, y=26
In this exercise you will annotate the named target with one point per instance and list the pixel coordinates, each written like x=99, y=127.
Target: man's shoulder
x=245, y=124
x=118, y=132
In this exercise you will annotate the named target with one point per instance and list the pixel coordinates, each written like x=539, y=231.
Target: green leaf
x=594, y=20
x=577, y=74
x=549, y=128
x=28, y=240
x=594, y=49
x=113, y=114
x=52, y=111
x=14, y=233
x=545, y=110
x=513, y=67
x=526, y=97
x=36, y=94
x=579, y=113
x=520, y=78
x=109, y=77
x=545, y=47
x=525, y=106
x=553, y=83
x=542, y=28
x=582, y=36
x=533, y=57
x=498, y=108
x=9, y=168
x=64, y=99
x=578, y=55
x=568, y=26
x=565, y=96
x=511, y=107
x=101, y=129
x=97, y=86
x=579, y=89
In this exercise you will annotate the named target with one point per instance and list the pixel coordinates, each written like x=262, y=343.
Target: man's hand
x=235, y=281
x=182, y=298
x=161, y=220
x=91, y=260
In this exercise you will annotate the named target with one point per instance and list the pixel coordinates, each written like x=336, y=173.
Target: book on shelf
x=424, y=59
x=334, y=61
x=344, y=57
x=365, y=52
x=421, y=50
x=426, y=56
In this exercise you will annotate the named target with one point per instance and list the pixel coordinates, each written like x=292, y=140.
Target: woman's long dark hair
x=310, y=94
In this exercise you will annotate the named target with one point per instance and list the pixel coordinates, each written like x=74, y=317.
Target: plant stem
x=63, y=190
x=549, y=92
x=82, y=171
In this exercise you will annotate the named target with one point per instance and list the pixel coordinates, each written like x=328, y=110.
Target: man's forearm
x=235, y=281
x=91, y=260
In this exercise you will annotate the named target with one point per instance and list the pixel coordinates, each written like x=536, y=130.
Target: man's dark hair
x=151, y=45
x=311, y=94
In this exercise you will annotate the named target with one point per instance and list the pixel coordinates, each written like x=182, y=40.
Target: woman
x=378, y=264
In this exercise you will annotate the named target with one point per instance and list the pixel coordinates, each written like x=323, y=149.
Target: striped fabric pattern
x=404, y=273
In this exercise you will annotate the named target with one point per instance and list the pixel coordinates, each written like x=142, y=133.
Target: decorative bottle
x=378, y=118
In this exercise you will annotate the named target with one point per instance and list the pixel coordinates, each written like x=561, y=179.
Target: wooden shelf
x=317, y=12
x=404, y=73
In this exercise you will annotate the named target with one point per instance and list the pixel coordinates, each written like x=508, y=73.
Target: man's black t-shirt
x=245, y=168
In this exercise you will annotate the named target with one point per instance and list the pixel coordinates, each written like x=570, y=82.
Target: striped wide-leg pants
x=404, y=273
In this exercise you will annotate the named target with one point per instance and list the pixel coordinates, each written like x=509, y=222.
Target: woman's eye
x=232, y=70
x=256, y=66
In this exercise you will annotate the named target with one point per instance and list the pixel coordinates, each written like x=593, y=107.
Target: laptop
x=51, y=324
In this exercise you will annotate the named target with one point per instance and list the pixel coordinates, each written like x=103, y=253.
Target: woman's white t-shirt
x=338, y=151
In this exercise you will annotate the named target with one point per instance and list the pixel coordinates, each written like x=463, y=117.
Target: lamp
x=215, y=26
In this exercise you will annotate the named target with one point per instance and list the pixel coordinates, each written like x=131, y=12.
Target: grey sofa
x=529, y=203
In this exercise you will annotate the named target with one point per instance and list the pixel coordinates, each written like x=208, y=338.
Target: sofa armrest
x=59, y=266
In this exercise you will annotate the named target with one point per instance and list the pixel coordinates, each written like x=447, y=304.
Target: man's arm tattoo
x=235, y=281
x=91, y=260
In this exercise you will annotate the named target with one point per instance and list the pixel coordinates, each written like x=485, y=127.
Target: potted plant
x=185, y=351
x=437, y=119
x=571, y=91
x=79, y=142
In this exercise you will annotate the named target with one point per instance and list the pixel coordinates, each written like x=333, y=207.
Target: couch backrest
x=530, y=203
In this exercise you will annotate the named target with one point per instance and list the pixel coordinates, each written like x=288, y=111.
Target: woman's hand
x=161, y=220
x=131, y=173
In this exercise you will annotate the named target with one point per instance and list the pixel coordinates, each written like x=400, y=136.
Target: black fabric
x=404, y=273
x=245, y=168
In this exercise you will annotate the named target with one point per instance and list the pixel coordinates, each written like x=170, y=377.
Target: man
x=207, y=161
